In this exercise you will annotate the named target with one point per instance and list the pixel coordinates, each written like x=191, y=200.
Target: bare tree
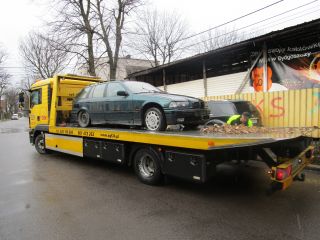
x=75, y=24
x=41, y=57
x=159, y=36
x=111, y=25
x=12, y=100
x=27, y=81
x=3, y=56
x=4, y=78
x=218, y=38
x=4, y=82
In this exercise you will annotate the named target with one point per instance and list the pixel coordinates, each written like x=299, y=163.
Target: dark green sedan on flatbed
x=136, y=104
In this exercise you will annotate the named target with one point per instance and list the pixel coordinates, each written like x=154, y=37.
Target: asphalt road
x=58, y=196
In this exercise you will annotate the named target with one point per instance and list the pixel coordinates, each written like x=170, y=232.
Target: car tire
x=213, y=122
x=147, y=167
x=84, y=119
x=154, y=119
x=39, y=144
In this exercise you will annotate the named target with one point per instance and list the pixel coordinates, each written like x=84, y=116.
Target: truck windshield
x=141, y=87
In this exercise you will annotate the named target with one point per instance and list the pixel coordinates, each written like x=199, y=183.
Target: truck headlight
x=182, y=104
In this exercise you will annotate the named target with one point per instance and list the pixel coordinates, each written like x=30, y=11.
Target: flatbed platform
x=185, y=139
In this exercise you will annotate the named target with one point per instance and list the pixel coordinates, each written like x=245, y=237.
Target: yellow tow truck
x=191, y=155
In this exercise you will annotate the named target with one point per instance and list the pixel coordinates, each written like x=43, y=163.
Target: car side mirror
x=122, y=93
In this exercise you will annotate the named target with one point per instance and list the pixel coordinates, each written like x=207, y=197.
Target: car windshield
x=218, y=109
x=141, y=87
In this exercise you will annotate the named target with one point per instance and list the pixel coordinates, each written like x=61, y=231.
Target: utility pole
x=205, y=81
x=265, y=68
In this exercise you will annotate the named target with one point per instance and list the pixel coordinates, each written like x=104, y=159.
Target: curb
x=313, y=167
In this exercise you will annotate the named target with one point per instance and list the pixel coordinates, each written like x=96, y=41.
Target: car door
x=119, y=108
x=97, y=104
x=85, y=99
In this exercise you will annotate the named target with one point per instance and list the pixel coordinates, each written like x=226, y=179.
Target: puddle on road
x=13, y=130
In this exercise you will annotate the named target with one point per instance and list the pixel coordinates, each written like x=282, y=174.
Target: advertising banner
x=288, y=67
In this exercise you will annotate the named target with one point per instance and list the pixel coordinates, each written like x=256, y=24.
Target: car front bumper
x=186, y=116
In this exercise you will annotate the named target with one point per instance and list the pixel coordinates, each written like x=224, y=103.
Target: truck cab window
x=35, y=98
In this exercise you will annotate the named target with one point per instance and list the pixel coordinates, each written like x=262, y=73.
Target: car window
x=98, y=91
x=218, y=109
x=91, y=89
x=84, y=92
x=113, y=88
x=245, y=107
x=35, y=97
x=140, y=87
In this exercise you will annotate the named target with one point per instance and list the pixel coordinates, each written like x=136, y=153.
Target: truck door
x=39, y=101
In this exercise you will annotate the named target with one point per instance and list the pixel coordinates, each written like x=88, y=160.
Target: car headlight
x=179, y=104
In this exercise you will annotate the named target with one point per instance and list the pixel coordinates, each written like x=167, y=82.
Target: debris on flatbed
x=241, y=129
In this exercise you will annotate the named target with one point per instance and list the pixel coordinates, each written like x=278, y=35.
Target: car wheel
x=40, y=144
x=147, y=167
x=83, y=119
x=213, y=122
x=154, y=120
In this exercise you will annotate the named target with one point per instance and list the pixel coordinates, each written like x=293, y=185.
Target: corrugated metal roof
x=301, y=31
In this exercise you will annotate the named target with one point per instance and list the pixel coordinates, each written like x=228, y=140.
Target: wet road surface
x=58, y=196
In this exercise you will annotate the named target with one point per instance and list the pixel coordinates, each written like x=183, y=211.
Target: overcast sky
x=18, y=17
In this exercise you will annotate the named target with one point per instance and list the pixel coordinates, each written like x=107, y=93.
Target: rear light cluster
x=283, y=173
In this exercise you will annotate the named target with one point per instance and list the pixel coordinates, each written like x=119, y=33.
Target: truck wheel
x=147, y=167
x=83, y=119
x=40, y=145
x=154, y=120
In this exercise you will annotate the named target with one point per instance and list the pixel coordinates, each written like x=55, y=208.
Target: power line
x=288, y=20
x=294, y=14
x=233, y=20
x=266, y=19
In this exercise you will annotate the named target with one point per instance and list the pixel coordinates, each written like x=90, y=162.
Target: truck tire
x=40, y=144
x=83, y=118
x=154, y=119
x=147, y=167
